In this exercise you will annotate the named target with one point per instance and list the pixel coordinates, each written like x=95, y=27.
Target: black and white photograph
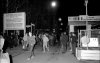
x=49, y=31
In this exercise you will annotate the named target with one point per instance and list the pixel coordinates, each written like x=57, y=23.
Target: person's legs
x=47, y=46
x=44, y=47
x=73, y=49
x=31, y=51
x=64, y=48
x=71, y=46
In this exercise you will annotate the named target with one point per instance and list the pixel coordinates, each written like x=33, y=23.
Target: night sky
x=77, y=7
x=39, y=11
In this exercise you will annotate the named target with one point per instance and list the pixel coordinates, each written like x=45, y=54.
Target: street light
x=60, y=19
x=53, y=4
x=87, y=31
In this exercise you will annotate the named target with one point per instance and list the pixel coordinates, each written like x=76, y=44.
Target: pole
x=6, y=12
x=31, y=27
x=7, y=5
x=86, y=3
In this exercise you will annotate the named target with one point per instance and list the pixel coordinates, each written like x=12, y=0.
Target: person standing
x=2, y=40
x=74, y=41
x=32, y=41
x=63, y=40
x=45, y=42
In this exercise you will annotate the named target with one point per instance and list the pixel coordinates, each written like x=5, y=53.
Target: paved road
x=20, y=56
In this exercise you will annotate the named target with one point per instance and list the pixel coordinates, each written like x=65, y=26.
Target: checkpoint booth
x=88, y=47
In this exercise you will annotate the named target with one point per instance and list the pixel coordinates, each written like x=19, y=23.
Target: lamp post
x=32, y=27
x=87, y=31
x=7, y=5
x=86, y=3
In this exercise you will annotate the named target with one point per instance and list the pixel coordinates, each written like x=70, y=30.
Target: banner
x=71, y=28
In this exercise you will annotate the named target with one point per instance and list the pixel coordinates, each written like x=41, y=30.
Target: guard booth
x=88, y=49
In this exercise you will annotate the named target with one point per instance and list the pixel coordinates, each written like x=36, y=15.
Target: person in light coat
x=45, y=42
x=32, y=42
x=2, y=40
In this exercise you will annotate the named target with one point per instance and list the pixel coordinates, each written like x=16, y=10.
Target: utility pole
x=86, y=3
x=7, y=4
x=87, y=31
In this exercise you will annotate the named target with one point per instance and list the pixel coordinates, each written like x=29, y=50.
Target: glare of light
x=60, y=19
x=53, y=3
x=61, y=23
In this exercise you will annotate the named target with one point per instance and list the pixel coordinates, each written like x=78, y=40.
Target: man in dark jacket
x=74, y=41
x=64, y=40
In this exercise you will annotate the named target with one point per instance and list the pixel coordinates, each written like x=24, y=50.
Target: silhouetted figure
x=64, y=40
x=74, y=41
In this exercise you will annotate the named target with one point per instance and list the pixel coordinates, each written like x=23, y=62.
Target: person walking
x=32, y=42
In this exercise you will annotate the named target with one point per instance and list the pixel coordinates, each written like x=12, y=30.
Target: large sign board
x=81, y=20
x=14, y=21
x=84, y=18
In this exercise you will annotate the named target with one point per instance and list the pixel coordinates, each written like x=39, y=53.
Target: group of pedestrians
x=11, y=40
x=65, y=43
x=29, y=41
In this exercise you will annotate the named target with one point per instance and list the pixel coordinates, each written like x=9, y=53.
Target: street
x=53, y=56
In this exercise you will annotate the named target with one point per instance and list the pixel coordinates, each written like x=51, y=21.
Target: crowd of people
x=29, y=40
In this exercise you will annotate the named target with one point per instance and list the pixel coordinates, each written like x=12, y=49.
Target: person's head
x=30, y=34
x=73, y=34
x=64, y=33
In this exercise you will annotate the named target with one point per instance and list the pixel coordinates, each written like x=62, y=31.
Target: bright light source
x=53, y=3
x=59, y=19
x=61, y=24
